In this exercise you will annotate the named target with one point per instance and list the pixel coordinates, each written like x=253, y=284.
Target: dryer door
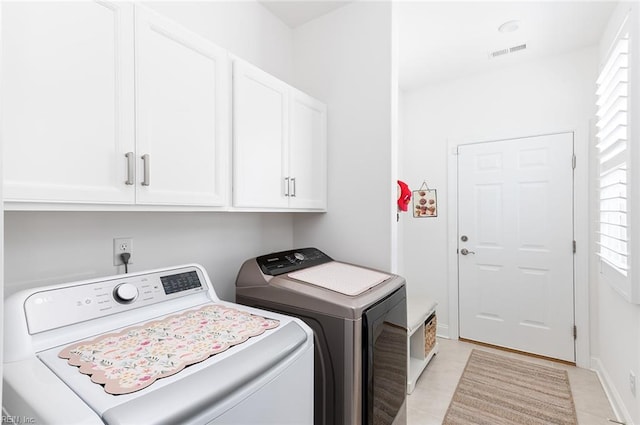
x=384, y=359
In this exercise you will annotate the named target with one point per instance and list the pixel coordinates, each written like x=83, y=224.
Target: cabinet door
x=182, y=122
x=260, y=153
x=67, y=101
x=307, y=152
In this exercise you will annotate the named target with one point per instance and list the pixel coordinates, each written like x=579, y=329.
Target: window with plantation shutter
x=613, y=155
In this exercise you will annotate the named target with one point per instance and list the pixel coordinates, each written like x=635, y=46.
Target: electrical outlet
x=120, y=246
x=632, y=382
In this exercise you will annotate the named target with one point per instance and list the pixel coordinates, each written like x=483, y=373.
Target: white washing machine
x=154, y=347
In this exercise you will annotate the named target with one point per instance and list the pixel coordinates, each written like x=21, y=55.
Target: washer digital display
x=180, y=282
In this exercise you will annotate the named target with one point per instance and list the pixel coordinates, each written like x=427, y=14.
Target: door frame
x=580, y=231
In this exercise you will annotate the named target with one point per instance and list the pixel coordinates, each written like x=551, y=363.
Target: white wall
x=551, y=95
x=344, y=59
x=44, y=247
x=52, y=247
x=1, y=231
x=616, y=349
x=616, y=352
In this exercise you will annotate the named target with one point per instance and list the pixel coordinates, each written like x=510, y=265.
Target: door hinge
x=574, y=247
x=573, y=162
x=575, y=332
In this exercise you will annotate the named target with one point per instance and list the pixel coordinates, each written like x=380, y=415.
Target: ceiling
x=444, y=40
x=447, y=40
x=298, y=12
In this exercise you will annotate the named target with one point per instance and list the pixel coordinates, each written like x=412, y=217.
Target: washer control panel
x=289, y=261
x=75, y=303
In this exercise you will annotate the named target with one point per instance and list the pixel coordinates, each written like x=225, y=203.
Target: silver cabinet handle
x=130, y=164
x=146, y=162
x=465, y=251
x=286, y=186
x=293, y=181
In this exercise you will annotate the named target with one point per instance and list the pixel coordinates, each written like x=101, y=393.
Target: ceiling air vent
x=497, y=53
x=507, y=51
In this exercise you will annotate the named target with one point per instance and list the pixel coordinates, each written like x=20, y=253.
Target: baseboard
x=619, y=409
x=442, y=331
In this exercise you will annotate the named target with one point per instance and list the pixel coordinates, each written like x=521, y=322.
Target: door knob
x=465, y=251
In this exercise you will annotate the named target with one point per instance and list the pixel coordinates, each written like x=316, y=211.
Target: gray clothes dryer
x=360, y=336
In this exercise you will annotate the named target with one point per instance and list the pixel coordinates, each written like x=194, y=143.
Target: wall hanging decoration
x=425, y=202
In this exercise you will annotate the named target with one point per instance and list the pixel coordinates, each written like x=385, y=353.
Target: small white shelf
x=419, y=310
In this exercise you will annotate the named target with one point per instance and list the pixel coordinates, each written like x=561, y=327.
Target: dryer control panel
x=289, y=261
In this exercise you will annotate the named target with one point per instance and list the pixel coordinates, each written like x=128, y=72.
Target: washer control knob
x=125, y=293
x=299, y=256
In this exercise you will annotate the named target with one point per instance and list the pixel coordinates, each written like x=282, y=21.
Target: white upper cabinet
x=260, y=138
x=182, y=122
x=75, y=128
x=307, y=151
x=111, y=105
x=279, y=143
x=67, y=101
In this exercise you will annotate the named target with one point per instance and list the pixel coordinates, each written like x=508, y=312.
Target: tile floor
x=428, y=403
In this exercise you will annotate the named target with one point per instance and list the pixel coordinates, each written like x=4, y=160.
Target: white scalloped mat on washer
x=341, y=277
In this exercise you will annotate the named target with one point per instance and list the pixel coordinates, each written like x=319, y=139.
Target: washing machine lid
x=341, y=277
x=273, y=279
x=197, y=390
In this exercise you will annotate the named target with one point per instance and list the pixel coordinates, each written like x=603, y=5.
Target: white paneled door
x=515, y=240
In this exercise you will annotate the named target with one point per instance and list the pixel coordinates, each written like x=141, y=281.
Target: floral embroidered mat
x=136, y=357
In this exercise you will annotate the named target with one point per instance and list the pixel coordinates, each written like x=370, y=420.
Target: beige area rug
x=499, y=390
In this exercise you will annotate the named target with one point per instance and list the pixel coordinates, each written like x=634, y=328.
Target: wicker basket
x=430, y=333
